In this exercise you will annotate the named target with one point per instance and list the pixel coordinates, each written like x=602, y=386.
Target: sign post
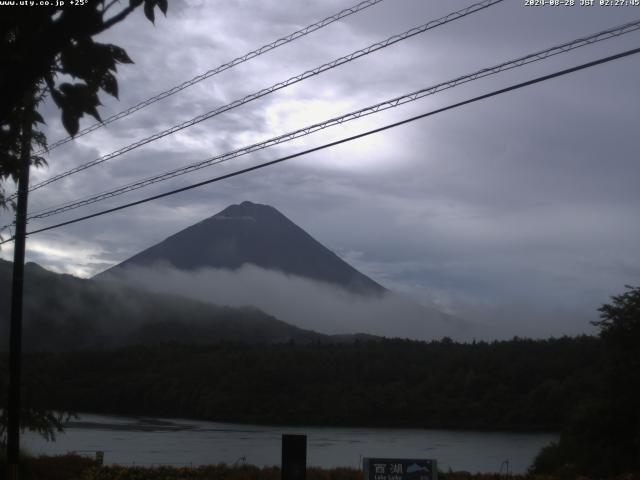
x=294, y=457
x=17, y=287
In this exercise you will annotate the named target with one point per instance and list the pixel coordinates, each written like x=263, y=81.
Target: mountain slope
x=62, y=312
x=256, y=234
x=251, y=254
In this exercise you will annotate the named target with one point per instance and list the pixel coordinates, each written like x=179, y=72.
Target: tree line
x=517, y=384
x=587, y=388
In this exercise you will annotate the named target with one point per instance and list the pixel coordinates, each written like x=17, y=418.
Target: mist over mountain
x=251, y=254
x=251, y=233
x=236, y=276
x=62, y=312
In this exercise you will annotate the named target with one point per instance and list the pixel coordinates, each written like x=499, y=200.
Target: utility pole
x=15, y=335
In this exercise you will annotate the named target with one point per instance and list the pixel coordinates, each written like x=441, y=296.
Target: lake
x=160, y=441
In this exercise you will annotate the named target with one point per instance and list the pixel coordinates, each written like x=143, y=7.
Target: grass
x=75, y=467
x=62, y=467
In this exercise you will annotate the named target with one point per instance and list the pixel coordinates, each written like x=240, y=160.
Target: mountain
x=256, y=234
x=251, y=254
x=62, y=312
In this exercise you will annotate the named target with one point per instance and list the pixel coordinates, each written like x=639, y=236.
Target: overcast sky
x=520, y=210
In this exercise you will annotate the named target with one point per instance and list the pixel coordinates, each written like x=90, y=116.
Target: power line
x=385, y=105
x=219, y=69
x=278, y=86
x=344, y=140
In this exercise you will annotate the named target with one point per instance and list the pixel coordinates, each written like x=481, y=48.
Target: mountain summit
x=252, y=233
x=251, y=254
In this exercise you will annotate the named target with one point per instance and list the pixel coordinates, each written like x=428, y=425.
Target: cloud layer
x=521, y=210
x=302, y=302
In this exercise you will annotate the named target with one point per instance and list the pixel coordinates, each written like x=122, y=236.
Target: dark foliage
x=40, y=49
x=72, y=467
x=61, y=467
x=602, y=437
x=51, y=51
x=518, y=384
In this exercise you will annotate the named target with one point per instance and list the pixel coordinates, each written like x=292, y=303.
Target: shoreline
x=275, y=425
x=142, y=440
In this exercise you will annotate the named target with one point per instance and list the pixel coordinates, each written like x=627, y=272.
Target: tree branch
x=117, y=18
x=113, y=2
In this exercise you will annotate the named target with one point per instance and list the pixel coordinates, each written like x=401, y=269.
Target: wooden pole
x=15, y=334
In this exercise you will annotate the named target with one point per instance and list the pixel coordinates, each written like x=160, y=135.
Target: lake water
x=154, y=441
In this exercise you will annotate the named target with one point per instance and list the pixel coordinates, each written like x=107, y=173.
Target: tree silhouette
x=51, y=51
x=620, y=331
x=603, y=436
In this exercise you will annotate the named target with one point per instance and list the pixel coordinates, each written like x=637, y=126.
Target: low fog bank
x=524, y=320
x=302, y=302
x=64, y=313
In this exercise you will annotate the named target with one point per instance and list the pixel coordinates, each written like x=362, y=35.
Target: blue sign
x=399, y=469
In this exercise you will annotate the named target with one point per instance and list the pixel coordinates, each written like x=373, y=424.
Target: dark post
x=294, y=457
x=15, y=335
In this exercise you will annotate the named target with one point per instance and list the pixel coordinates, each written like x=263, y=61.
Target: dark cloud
x=519, y=211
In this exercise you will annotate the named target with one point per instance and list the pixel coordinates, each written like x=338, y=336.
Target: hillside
x=62, y=312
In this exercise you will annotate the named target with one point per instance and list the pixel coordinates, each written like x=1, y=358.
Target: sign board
x=399, y=469
x=294, y=457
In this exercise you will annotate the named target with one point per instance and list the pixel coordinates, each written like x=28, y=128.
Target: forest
x=587, y=388
x=516, y=385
